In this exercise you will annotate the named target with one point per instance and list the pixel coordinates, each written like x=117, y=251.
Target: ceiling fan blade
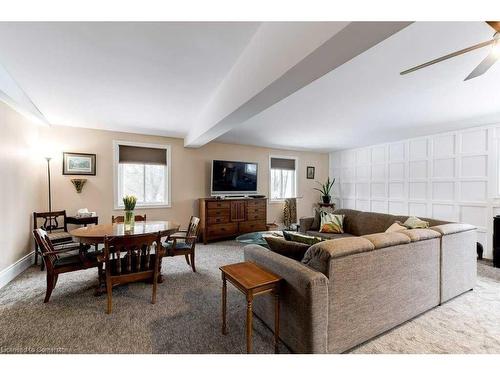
x=483, y=66
x=495, y=25
x=449, y=56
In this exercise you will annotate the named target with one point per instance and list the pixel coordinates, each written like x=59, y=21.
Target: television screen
x=234, y=177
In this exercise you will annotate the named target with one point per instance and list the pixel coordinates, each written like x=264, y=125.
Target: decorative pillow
x=317, y=216
x=289, y=249
x=331, y=223
x=302, y=238
x=414, y=222
x=396, y=227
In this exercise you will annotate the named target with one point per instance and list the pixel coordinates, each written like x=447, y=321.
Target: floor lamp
x=48, y=179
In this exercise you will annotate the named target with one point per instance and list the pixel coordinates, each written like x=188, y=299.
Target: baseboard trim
x=11, y=272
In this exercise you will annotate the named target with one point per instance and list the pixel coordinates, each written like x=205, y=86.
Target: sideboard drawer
x=252, y=226
x=220, y=230
x=217, y=219
x=218, y=212
x=256, y=214
x=257, y=203
x=218, y=205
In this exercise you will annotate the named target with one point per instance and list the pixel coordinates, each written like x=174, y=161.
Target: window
x=142, y=170
x=283, y=178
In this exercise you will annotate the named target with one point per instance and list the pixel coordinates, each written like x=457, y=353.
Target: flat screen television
x=233, y=177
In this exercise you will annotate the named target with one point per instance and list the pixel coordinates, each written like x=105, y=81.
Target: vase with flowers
x=129, y=202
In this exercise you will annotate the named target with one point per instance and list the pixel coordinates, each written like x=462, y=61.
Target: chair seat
x=59, y=237
x=73, y=259
x=178, y=245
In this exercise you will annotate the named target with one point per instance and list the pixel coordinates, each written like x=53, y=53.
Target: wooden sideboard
x=224, y=218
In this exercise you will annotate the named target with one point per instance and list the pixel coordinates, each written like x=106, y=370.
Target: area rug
x=187, y=315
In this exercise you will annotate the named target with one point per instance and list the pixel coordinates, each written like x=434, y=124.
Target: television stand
x=231, y=217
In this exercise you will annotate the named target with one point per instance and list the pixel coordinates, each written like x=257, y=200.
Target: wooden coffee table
x=251, y=280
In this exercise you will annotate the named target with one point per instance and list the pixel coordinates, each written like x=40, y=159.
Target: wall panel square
x=397, y=152
x=444, y=168
x=418, y=149
x=443, y=191
x=475, y=141
x=397, y=171
x=418, y=190
x=474, y=166
x=378, y=154
x=418, y=169
x=473, y=191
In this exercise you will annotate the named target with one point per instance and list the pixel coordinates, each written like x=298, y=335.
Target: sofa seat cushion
x=318, y=256
x=445, y=229
x=420, y=234
x=382, y=240
x=328, y=236
x=289, y=249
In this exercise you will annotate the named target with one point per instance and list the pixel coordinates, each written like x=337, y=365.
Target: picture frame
x=310, y=173
x=79, y=164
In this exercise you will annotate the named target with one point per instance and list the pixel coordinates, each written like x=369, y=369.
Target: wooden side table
x=251, y=280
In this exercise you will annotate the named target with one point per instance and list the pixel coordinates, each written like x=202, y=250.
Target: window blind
x=281, y=163
x=142, y=155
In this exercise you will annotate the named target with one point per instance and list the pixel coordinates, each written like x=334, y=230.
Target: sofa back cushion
x=289, y=249
x=359, y=223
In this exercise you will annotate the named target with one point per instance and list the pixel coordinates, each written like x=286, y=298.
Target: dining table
x=97, y=234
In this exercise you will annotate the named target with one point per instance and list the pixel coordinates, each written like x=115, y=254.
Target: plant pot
x=326, y=198
x=129, y=220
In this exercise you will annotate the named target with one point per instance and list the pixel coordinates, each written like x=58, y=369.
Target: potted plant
x=325, y=190
x=129, y=202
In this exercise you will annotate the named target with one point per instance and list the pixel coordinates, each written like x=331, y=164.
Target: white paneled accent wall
x=450, y=176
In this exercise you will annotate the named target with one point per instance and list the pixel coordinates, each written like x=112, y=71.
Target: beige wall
x=20, y=184
x=190, y=173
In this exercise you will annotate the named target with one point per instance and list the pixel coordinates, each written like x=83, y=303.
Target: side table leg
x=224, y=301
x=249, y=323
x=276, y=322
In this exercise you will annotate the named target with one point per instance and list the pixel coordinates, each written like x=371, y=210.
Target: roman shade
x=142, y=155
x=281, y=163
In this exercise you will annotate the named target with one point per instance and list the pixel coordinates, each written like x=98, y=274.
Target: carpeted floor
x=186, y=318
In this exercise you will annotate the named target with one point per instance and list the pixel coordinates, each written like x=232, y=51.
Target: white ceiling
x=366, y=101
x=156, y=78
x=143, y=77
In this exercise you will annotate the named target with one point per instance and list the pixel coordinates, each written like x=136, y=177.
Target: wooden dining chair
x=129, y=259
x=61, y=260
x=121, y=219
x=184, y=242
x=54, y=224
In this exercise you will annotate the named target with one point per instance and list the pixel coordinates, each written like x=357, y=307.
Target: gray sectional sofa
x=352, y=288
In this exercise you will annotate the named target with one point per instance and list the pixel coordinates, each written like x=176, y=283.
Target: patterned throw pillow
x=414, y=222
x=317, y=216
x=331, y=223
x=302, y=238
x=396, y=227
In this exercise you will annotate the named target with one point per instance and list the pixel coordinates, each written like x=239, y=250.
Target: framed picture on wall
x=310, y=173
x=79, y=164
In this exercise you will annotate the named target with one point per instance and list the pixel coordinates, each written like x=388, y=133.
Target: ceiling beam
x=280, y=59
x=14, y=96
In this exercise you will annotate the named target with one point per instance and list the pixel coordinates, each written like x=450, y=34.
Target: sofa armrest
x=305, y=224
x=303, y=301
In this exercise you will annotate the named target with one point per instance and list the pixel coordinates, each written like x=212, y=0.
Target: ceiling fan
x=483, y=66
